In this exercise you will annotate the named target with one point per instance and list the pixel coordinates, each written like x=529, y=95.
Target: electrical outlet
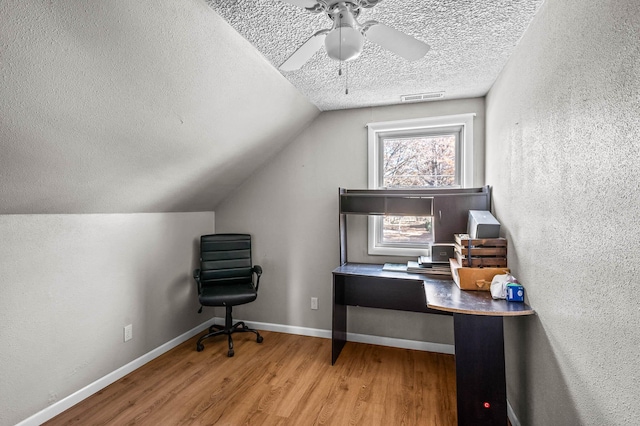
x=128, y=332
x=314, y=303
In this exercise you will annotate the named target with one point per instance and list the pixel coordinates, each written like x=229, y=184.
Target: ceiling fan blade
x=396, y=41
x=307, y=4
x=304, y=52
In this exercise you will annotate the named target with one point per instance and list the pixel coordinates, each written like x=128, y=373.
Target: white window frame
x=378, y=131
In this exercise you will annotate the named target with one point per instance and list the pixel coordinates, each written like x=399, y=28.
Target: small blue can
x=515, y=292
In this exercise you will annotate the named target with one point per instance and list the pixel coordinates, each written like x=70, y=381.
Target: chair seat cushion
x=231, y=295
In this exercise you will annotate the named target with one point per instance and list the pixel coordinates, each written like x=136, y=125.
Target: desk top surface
x=443, y=294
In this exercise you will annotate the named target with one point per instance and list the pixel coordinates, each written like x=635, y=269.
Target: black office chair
x=225, y=278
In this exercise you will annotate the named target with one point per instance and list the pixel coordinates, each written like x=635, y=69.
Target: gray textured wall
x=70, y=283
x=562, y=153
x=291, y=208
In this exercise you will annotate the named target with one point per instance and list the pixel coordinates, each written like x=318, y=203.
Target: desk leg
x=339, y=321
x=480, y=376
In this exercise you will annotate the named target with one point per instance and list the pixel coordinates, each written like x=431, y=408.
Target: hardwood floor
x=286, y=380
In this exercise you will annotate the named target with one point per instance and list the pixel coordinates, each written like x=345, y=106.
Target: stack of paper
x=428, y=268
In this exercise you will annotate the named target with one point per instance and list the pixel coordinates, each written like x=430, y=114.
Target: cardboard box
x=474, y=278
x=482, y=224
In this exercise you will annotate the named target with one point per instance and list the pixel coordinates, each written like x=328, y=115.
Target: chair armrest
x=196, y=276
x=257, y=269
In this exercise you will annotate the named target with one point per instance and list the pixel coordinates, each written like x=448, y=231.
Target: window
x=432, y=152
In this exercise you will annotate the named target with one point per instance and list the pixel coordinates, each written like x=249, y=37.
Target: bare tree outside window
x=416, y=153
x=416, y=162
x=419, y=162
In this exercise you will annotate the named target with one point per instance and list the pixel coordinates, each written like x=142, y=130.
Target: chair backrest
x=225, y=259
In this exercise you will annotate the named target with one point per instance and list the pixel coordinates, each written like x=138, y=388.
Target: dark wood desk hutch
x=449, y=208
x=478, y=332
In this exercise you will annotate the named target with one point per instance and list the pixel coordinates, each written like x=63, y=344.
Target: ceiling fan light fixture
x=344, y=43
x=345, y=40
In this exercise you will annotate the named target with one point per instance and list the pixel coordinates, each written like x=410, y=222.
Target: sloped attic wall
x=133, y=106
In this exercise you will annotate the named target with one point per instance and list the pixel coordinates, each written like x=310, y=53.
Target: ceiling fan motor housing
x=345, y=41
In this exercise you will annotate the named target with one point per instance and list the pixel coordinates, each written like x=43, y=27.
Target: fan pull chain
x=340, y=50
x=346, y=79
x=346, y=76
x=346, y=66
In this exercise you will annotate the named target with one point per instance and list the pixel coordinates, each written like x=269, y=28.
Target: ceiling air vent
x=422, y=97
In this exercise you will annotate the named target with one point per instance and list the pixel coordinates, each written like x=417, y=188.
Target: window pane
x=419, y=161
x=426, y=152
x=407, y=230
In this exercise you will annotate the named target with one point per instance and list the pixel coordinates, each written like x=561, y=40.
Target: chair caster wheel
x=230, y=353
x=199, y=348
x=259, y=339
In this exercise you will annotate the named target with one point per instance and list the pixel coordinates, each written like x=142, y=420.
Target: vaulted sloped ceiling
x=133, y=106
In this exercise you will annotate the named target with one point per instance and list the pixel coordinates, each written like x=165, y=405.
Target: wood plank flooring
x=286, y=380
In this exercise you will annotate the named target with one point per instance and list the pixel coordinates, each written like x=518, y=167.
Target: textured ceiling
x=470, y=41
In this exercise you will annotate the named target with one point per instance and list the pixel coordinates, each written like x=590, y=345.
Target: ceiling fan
x=344, y=41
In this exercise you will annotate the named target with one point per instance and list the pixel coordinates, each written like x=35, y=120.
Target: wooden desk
x=477, y=323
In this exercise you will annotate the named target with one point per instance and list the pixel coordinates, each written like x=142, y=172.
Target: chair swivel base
x=228, y=329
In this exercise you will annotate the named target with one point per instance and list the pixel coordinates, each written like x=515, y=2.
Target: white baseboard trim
x=64, y=404
x=401, y=343
x=512, y=415
x=289, y=329
x=354, y=337
x=76, y=397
